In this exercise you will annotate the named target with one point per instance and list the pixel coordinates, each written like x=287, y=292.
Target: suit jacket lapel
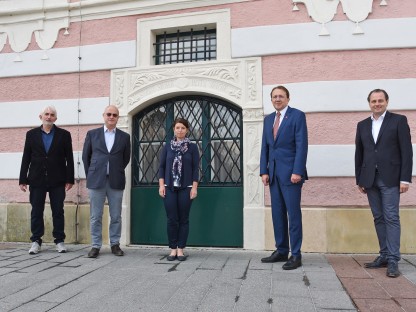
x=369, y=128
x=101, y=137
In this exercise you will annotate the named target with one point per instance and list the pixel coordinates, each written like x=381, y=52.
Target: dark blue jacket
x=96, y=157
x=190, y=165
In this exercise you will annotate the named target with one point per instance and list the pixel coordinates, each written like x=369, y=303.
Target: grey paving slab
x=332, y=299
x=143, y=280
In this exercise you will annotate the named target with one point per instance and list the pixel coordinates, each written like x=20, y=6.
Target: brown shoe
x=93, y=253
x=115, y=249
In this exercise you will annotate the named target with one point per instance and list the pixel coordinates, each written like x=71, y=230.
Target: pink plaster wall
x=339, y=192
x=11, y=193
x=339, y=65
x=59, y=86
x=12, y=140
x=276, y=12
x=244, y=14
x=340, y=128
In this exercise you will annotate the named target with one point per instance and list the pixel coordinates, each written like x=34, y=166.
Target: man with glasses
x=47, y=167
x=283, y=168
x=106, y=154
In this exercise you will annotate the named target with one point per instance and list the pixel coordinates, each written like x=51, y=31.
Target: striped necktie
x=276, y=125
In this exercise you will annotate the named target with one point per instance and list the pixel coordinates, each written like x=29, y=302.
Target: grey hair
x=50, y=108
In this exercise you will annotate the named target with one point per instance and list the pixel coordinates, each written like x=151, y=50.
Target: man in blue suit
x=283, y=167
x=383, y=170
x=106, y=154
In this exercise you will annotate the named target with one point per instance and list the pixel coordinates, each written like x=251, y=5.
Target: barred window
x=183, y=47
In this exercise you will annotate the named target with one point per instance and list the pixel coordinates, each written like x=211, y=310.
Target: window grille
x=183, y=47
x=215, y=126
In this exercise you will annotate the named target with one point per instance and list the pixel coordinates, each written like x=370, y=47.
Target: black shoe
x=93, y=253
x=115, y=249
x=275, y=257
x=379, y=262
x=182, y=258
x=393, y=269
x=171, y=258
x=293, y=263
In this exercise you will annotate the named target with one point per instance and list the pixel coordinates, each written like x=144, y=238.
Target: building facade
x=214, y=63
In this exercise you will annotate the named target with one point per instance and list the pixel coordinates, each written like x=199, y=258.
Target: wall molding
x=20, y=19
x=323, y=161
x=301, y=38
x=326, y=95
x=68, y=115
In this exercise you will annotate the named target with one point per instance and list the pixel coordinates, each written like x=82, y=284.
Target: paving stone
x=210, y=280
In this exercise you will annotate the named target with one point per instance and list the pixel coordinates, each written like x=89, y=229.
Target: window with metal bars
x=215, y=126
x=183, y=47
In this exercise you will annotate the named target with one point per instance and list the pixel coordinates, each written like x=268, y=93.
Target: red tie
x=276, y=125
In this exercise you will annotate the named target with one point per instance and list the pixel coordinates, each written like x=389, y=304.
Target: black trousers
x=37, y=200
x=177, y=206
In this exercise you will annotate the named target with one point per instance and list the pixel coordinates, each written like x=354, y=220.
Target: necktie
x=276, y=125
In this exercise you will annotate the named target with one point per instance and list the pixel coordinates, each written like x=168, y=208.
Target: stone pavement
x=210, y=280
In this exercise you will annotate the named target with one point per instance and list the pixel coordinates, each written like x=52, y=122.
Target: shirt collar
x=108, y=130
x=283, y=111
x=50, y=132
x=381, y=118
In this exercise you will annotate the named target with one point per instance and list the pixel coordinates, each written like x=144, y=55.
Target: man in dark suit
x=283, y=167
x=47, y=167
x=383, y=170
x=106, y=154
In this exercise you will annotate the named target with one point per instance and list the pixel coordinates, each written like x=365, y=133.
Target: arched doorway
x=217, y=214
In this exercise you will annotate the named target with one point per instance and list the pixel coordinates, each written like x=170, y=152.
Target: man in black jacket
x=383, y=170
x=47, y=167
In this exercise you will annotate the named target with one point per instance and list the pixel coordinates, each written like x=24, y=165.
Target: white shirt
x=376, y=125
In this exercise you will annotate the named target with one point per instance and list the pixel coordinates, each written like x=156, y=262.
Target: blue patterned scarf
x=179, y=148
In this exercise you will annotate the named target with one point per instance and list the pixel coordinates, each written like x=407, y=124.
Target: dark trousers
x=287, y=217
x=37, y=200
x=177, y=206
x=384, y=202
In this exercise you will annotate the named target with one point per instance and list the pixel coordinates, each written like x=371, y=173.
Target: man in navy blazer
x=106, y=154
x=283, y=167
x=383, y=170
x=47, y=167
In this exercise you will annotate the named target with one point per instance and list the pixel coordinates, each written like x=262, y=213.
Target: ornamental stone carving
x=220, y=78
x=323, y=11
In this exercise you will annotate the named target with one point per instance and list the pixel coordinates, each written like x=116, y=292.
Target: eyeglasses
x=280, y=97
x=114, y=115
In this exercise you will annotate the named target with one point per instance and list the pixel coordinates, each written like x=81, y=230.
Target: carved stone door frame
x=238, y=81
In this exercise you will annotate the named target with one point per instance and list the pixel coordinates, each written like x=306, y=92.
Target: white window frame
x=147, y=29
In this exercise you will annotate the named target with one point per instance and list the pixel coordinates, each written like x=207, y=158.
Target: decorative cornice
x=324, y=11
x=19, y=19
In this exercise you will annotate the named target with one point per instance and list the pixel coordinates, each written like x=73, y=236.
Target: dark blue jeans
x=37, y=200
x=384, y=203
x=177, y=206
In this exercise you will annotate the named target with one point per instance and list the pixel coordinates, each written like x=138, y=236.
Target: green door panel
x=216, y=217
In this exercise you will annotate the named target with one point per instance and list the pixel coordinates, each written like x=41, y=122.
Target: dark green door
x=216, y=217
